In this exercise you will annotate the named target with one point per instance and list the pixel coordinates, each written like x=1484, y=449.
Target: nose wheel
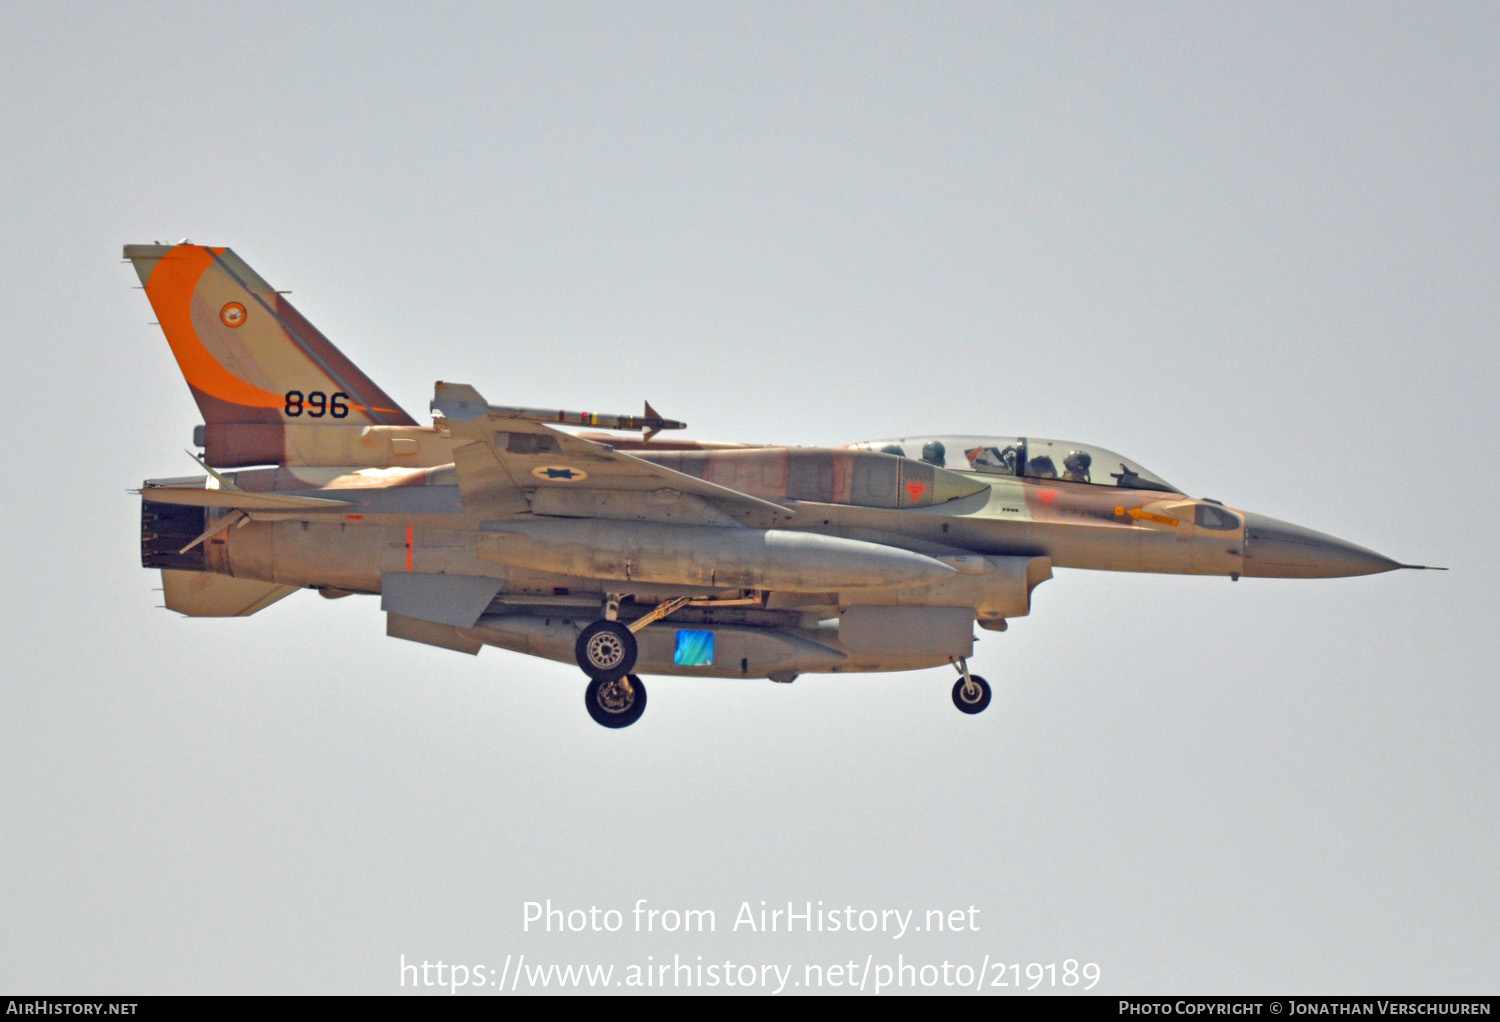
x=616, y=703
x=971, y=693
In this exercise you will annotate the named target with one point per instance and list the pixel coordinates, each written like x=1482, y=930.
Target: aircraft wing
x=559, y=474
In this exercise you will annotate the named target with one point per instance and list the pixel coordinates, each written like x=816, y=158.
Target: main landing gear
x=606, y=650
x=617, y=703
x=971, y=693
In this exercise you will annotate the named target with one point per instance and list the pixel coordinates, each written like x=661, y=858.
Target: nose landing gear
x=971, y=693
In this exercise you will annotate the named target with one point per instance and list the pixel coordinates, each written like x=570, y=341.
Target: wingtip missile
x=461, y=401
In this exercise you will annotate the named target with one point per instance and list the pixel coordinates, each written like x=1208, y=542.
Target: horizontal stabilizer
x=239, y=499
x=206, y=594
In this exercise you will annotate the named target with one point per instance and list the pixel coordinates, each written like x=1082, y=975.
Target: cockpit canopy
x=1028, y=457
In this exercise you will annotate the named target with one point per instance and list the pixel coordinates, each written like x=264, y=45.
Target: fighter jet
x=634, y=554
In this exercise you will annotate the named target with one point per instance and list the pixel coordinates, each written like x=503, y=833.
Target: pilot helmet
x=1078, y=462
x=893, y=449
x=935, y=453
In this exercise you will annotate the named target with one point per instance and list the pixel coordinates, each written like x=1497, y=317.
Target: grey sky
x=1253, y=246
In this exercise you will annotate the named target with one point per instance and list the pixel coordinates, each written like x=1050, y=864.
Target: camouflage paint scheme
x=493, y=527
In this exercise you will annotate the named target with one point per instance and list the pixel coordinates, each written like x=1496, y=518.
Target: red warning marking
x=915, y=491
x=1046, y=496
x=408, y=548
x=355, y=518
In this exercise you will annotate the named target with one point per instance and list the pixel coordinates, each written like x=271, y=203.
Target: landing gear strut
x=971, y=693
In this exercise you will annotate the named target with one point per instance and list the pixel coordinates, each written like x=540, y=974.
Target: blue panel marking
x=694, y=648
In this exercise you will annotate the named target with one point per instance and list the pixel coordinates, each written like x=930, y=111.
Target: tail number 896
x=316, y=404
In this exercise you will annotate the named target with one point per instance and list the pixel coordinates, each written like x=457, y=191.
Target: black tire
x=968, y=702
x=605, y=650
x=616, y=703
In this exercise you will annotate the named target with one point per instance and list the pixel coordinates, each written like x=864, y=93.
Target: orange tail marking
x=171, y=289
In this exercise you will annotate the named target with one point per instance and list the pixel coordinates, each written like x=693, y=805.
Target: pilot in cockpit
x=1041, y=467
x=1076, y=466
x=934, y=453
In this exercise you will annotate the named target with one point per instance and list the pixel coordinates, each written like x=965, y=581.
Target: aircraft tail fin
x=249, y=357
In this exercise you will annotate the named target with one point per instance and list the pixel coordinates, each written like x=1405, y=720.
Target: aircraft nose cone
x=1276, y=549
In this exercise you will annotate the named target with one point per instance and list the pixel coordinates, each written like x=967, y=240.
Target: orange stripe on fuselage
x=171, y=288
